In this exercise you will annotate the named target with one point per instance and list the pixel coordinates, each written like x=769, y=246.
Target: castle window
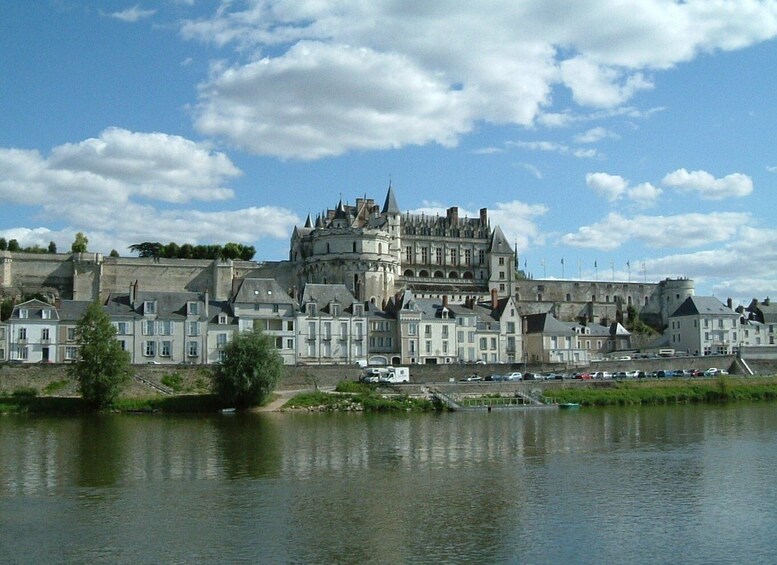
x=424, y=255
x=453, y=256
x=467, y=256
x=481, y=257
x=380, y=248
x=409, y=254
x=408, y=273
x=353, y=247
x=501, y=261
x=438, y=255
x=569, y=297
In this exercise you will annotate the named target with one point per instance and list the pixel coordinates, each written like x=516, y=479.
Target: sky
x=609, y=139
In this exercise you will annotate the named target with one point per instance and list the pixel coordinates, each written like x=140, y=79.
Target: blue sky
x=632, y=140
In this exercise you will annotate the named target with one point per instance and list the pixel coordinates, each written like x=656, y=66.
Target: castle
x=375, y=252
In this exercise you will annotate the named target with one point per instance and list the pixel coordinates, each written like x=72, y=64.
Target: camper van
x=385, y=375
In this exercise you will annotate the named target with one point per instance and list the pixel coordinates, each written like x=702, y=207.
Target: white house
x=703, y=325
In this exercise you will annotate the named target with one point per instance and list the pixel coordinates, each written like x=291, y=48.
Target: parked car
x=529, y=377
x=582, y=376
x=514, y=376
x=493, y=378
x=471, y=378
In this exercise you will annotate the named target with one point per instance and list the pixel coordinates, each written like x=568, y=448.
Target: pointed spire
x=390, y=206
x=308, y=222
x=499, y=243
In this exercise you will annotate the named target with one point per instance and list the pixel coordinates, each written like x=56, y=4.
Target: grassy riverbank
x=623, y=393
x=352, y=396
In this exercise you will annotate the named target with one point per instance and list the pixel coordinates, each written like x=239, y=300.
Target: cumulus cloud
x=131, y=15
x=678, y=231
x=707, y=186
x=613, y=187
x=114, y=167
x=103, y=186
x=274, y=106
x=316, y=79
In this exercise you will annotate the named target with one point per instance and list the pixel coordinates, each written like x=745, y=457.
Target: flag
x=562, y=260
x=628, y=264
x=595, y=265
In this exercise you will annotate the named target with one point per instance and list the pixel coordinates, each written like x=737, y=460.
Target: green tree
x=249, y=371
x=102, y=367
x=80, y=243
x=113, y=253
x=3, y=244
x=13, y=245
x=52, y=247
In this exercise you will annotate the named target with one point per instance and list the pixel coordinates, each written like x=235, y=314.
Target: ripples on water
x=660, y=485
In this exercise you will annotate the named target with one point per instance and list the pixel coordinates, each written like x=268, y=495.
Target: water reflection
x=666, y=484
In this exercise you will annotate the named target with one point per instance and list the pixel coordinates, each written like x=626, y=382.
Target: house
x=263, y=304
x=332, y=326
x=161, y=327
x=600, y=340
x=70, y=313
x=703, y=325
x=548, y=340
x=766, y=313
x=32, y=332
x=222, y=326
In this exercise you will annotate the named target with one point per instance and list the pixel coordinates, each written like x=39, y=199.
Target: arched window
x=569, y=297
x=408, y=273
x=468, y=275
x=439, y=275
x=453, y=275
x=423, y=273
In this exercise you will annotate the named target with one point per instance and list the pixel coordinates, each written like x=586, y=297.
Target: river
x=679, y=484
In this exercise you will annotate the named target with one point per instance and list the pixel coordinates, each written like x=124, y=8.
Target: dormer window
x=358, y=310
x=335, y=310
x=312, y=309
x=149, y=307
x=24, y=313
x=45, y=314
x=194, y=308
x=222, y=319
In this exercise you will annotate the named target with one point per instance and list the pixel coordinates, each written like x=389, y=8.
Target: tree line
x=173, y=250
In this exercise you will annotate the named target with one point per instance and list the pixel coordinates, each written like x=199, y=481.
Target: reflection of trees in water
x=100, y=457
x=249, y=445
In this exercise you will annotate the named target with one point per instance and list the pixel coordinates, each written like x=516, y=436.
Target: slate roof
x=702, y=306
x=390, y=205
x=72, y=310
x=261, y=291
x=546, y=324
x=324, y=294
x=499, y=242
x=34, y=308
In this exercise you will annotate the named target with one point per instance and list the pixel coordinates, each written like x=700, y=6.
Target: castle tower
x=501, y=260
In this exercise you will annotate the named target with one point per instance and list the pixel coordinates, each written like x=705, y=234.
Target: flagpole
x=562, y=269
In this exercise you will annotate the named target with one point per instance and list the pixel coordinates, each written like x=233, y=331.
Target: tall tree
x=52, y=247
x=249, y=371
x=102, y=366
x=80, y=243
x=3, y=244
x=13, y=245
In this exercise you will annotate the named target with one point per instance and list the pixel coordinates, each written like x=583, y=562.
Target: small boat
x=569, y=405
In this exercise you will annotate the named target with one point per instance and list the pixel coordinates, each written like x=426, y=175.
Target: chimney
x=445, y=301
x=453, y=214
x=484, y=216
x=767, y=301
x=494, y=299
x=207, y=304
x=730, y=303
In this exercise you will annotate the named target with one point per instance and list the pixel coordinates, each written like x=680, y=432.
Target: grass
x=722, y=389
x=355, y=396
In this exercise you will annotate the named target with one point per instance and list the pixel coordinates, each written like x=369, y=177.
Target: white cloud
x=428, y=72
x=708, y=187
x=102, y=186
x=609, y=187
x=320, y=100
x=613, y=187
x=554, y=147
x=595, y=134
x=532, y=169
x=131, y=15
x=678, y=231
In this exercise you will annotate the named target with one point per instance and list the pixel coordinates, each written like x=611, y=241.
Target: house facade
x=703, y=325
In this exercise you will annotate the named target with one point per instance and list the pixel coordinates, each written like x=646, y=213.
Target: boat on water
x=569, y=405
